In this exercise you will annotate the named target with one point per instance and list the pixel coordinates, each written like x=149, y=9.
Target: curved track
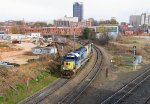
x=75, y=93
x=127, y=91
x=78, y=90
x=39, y=96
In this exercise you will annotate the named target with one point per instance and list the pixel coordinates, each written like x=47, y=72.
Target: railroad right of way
x=63, y=87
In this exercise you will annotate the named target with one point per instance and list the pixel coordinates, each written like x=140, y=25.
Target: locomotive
x=73, y=60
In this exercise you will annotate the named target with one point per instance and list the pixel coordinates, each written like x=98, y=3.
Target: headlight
x=65, y=68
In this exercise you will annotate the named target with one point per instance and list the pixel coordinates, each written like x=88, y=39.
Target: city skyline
x=46, y=10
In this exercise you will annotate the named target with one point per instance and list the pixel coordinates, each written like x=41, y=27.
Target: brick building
x=55, y=31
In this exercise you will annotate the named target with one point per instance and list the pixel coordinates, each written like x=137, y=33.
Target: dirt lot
x=14, y=55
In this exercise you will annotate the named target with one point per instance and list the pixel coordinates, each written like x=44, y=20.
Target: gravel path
x=103, y=87
x=64, y=90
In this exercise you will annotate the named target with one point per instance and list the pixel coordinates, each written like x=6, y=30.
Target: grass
x=127, y=40
x=1, y=99
x=42, y=80
x=126, y=62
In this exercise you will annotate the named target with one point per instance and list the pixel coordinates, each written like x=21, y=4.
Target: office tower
x=78, y=10
x=135, y=20
x=145, y=19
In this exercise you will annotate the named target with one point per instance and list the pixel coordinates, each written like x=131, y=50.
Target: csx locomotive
x=73, y=60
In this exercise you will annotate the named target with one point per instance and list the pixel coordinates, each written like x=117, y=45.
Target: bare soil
x=20, y=49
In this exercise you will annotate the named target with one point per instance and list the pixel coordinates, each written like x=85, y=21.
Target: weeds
x=42, y=80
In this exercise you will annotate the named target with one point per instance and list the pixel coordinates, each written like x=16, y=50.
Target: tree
x=113, y=21
x=103, y=38
x=14, y=30
x=40, y=24
x=86, y=33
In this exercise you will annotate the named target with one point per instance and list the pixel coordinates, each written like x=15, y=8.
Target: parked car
x=8, y=64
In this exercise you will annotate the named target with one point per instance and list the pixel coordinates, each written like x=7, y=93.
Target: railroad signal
x=135, y=61
x=134, y=54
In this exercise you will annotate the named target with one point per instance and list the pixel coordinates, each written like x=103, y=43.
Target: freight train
x=73, y=60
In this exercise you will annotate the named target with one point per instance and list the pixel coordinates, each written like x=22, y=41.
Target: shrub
x=19, y=86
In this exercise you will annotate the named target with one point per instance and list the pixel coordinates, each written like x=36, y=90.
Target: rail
x=126, y=90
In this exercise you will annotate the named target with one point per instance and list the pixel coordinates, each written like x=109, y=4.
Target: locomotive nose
x=69, y=65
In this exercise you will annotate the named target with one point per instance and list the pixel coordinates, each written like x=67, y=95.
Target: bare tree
x=104, y=38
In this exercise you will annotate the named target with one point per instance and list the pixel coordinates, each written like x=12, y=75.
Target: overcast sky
x=45, y=10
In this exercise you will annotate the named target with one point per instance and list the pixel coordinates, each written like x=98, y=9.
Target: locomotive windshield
x=70, y=58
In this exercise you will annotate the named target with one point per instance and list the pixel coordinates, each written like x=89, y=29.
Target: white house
x=17, y=36
x=44, y=50
x=4, y=36
x=34, y=35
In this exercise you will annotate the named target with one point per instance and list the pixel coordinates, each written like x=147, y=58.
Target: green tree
x=113, y=21
x=86, y=33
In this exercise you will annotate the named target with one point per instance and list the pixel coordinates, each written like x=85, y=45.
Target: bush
x=104, y=38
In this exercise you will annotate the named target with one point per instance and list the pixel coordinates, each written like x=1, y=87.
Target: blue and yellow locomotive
x=72, y=61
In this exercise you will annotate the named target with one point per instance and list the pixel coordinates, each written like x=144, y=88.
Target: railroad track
x=147, y=101
x=78, y=90
x=127, y=90
x=47, y=91
x=39, y=96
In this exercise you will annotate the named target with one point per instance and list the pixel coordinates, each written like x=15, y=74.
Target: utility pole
x=74, y=38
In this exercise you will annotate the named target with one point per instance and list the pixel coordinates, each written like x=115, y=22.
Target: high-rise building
x=145, y=19
x=78, y=10
x=135, y=20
